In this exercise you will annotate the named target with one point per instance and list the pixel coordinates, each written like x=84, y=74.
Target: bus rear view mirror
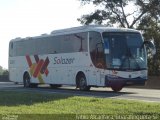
x=150, y=47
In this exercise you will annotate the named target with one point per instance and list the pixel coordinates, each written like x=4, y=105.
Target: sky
x=28, y=18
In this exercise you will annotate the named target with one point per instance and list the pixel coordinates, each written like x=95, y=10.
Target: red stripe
x=44, y=67
x=47, y=72
x=38, y=68
x=29, y=60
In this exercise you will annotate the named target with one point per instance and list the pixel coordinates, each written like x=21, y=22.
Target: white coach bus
x=87, y=56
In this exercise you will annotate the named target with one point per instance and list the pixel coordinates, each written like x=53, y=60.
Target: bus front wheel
x=82, y=83
x=117, y=88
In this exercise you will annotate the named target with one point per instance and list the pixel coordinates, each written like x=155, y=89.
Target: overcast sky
x=24, y=18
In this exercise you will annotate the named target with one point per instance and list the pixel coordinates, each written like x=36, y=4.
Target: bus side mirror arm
x=150, y=46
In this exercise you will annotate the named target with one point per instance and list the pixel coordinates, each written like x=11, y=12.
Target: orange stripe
x=38, y=68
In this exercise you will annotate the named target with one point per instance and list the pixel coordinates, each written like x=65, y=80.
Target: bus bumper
x=124, y=81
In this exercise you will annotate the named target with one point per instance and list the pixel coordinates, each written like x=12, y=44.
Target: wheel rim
x=82, y=83
x=27, y=81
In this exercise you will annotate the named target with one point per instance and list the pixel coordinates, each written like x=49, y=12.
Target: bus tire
x=26, y=80
x=82, y=83
x=117, y=88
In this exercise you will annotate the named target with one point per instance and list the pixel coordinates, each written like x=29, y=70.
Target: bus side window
x=11, y=49
x=80, y=42
x=11, y=45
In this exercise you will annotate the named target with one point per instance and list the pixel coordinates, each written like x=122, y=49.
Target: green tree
x=151, y=30
x=111, y=12
x=5, y=72
x=1, y=70
x=145, y=17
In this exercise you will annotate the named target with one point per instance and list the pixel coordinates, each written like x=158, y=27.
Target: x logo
x=39, y=68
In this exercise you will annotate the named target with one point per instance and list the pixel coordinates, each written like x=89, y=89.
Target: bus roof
x=98, y=28
x=86, y=28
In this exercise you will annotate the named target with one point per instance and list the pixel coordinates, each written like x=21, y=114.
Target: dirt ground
x=153, y=82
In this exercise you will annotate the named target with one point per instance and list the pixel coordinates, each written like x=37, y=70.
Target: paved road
x=150, y=95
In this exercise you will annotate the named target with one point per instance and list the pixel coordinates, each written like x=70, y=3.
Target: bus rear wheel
x=82, y=83
x=26, y=80
x=27, y=83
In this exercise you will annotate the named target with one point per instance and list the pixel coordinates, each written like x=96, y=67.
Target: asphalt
x=148, y=95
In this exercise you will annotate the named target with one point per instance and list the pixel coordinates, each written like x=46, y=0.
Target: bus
x=84, y=57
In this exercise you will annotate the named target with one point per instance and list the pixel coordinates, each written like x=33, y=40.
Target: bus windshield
x=124, y=51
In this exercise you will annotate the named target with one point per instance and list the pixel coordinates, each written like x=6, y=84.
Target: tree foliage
x=111, y=12
x=3, y=71
x=145, y=17
x=151, y=31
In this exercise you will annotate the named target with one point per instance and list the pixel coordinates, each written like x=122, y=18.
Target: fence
x=4, y=78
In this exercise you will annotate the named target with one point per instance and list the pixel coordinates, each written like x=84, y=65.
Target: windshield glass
x=124, y=51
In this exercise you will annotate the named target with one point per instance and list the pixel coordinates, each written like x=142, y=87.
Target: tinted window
x=52, y=44
x=11, y=49
x=96, y=49
x=74, y=43
x=126, y=51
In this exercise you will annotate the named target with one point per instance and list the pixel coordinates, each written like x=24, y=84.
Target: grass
x=48, y=106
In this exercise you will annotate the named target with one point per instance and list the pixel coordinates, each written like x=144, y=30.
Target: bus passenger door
x=96, y=77
x=100, y=64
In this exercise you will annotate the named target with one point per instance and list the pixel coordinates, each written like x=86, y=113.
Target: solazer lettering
x=62, y=60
